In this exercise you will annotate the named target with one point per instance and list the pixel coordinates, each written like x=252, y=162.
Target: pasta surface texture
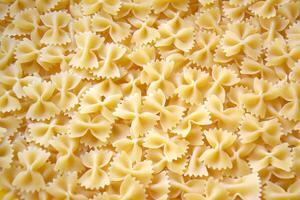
x=150, y=99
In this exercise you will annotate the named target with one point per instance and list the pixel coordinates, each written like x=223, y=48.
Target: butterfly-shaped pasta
x=8, y=101
x=242, y=38
x=30, y=178
x=176, y=32
x=102, y=97
x=41, y=93
x=202, y=53
x=163, y=5
x=26, y=22
x=222, y=77
x=145, y=33
x=179, y=186
x=131, y=108
x=19, y=5
x=220, y=142
x=66, y=160
x=157, y=75
x=173, y=147
x=235, y=13
x=118, y=30
x=251, y=129
x=87, y=43
x=291, y=110
x=255, y=68
x=130, y=188
x=138, y=8
x=43, y=132
x=132, y=147
x=57, y=24
x=293, y=35
x=65, y=187
x=159, y=187
x=46, y=5
x=290, y=10
x=273, y=26
x=93, y=6
x=6, y=156
x=196, y=115
x=227, y=118
x=111, y=55
x=170, y=115
x=266, y=8
x=93, y=130
x=295, y=73
x=7, y=48
x=142, y=55
x=122, y=165
x=238, y=154
x=7, y=177
x=193, y=85
x=274, y=191
x=209, y=19
x=236, y=187
x=195, y=167
x=65, y=83
x=256, y=102
x=278, y=157
x=10, y=124
x=281, y=55
x=81, y=25
x=95, y=177
x=51, y=57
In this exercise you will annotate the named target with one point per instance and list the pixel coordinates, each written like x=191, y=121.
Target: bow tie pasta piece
x=122, y=166
x=202, y=53
x=65, y=83
x=145, y=33
x=131, y=108
x=266, y=8
x=193, y=85
x=170, y=115
x=43, y=133
x=92, y=130
x=159, y=187
x=8, y=101
x=6, y=156
x=110, y=61
x=91, y=7
x=8, y=191
x=81, y=25
x=278, y=157
x=236, y=13
x=176, y=32
x=118, y=30
x=157, y=75
x=196, y=115
x=30, y=178
x=173, y=147
x=130, y=188
x=246, y=187
x=95, y=177
x=133, y=147
x=291, y=93
x=57, y=23
x=138, y=8
x=142, y=55
x=242, y=38
x=227, y=118
x=162, y=5
x=256, y=102
x=220, y=141
x=196, y=167
x=66, y=160
x=65, y=187
x=20, y=5
x=274, y=191
x=46, y=5
x=87, y=44
x=290, y=10
x=209, y=19
x=7, y=48
x=42, y=107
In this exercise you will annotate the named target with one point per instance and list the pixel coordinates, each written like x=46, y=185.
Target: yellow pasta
x=150, y=99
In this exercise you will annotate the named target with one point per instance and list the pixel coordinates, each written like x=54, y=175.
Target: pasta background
x=150, y=99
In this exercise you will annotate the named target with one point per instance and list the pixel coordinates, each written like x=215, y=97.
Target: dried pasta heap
x=150, y=99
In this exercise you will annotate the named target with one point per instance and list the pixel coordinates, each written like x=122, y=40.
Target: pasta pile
x=150, y=99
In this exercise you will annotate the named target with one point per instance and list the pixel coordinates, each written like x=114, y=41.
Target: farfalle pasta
x=158, y=99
